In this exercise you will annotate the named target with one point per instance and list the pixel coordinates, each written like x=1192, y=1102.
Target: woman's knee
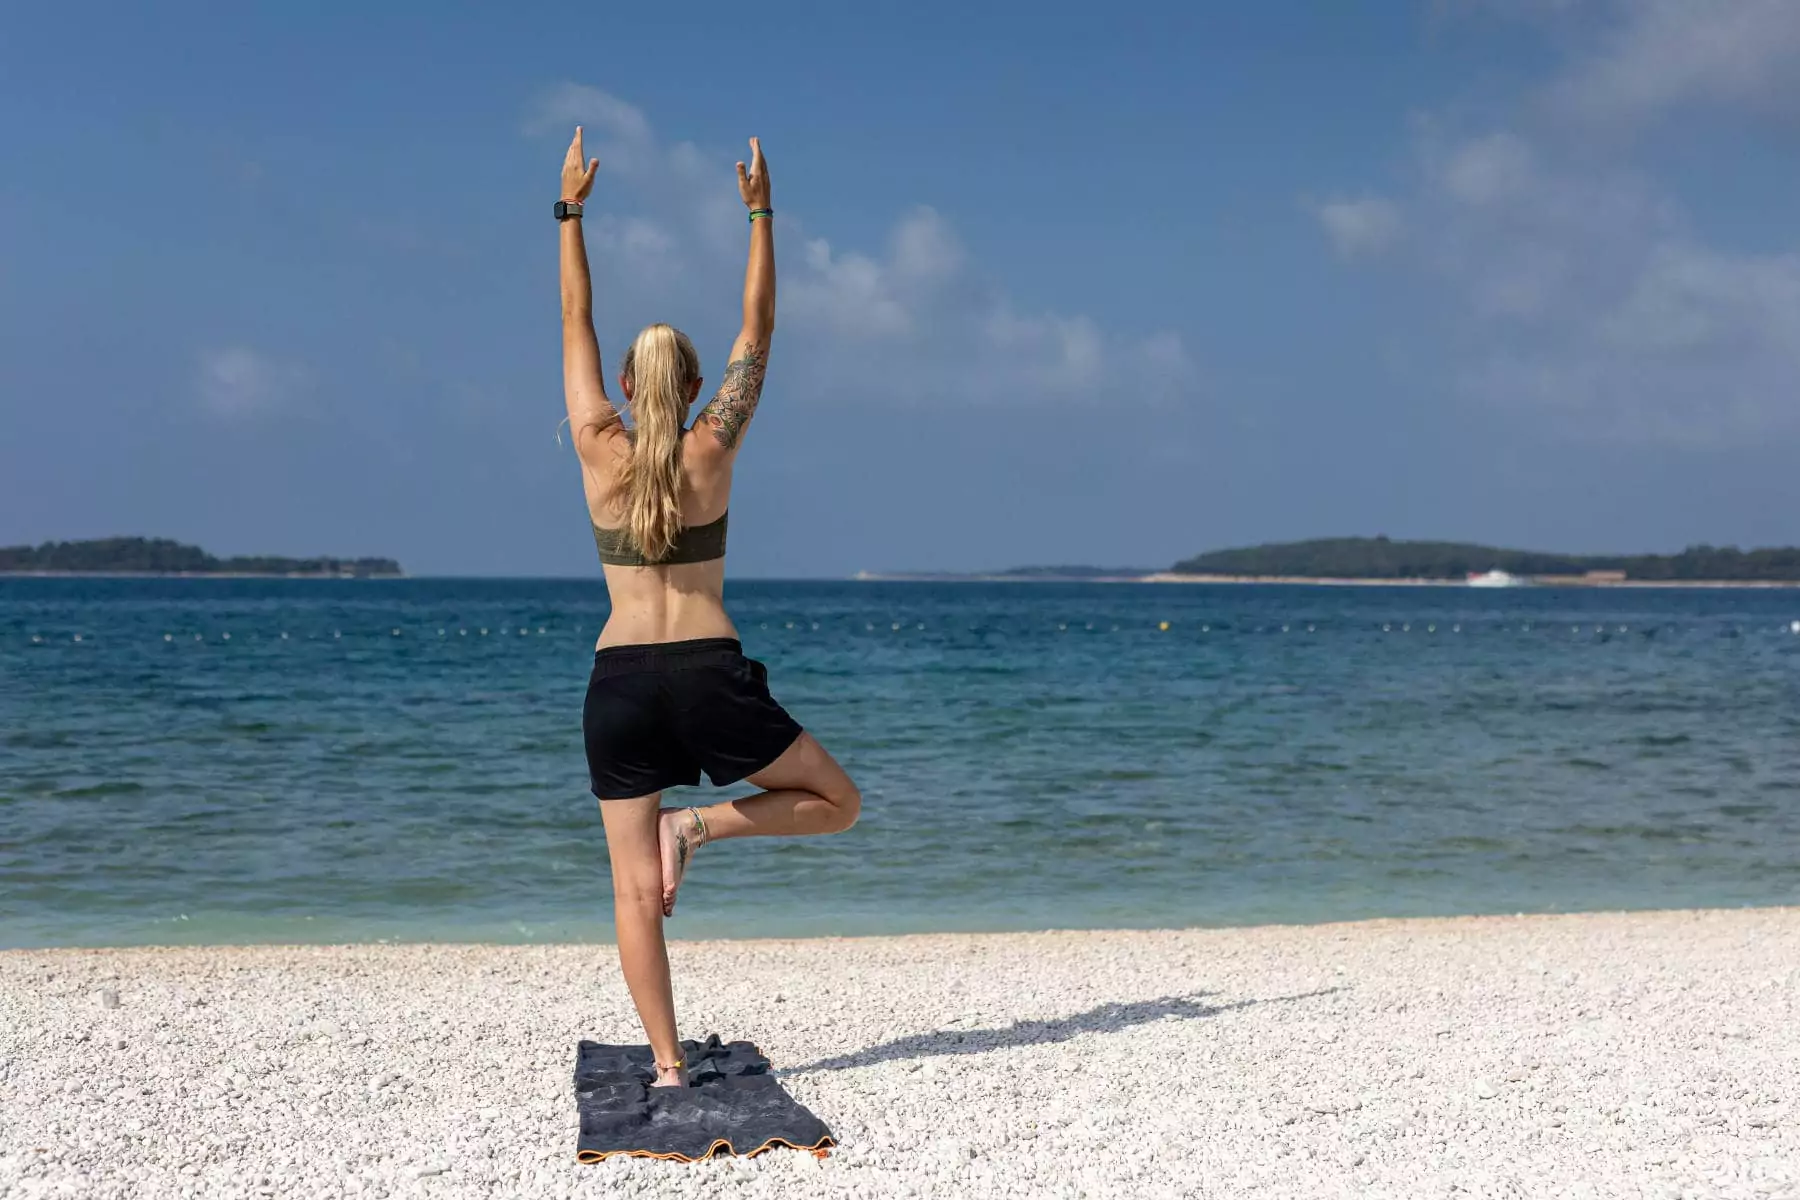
x=846, y=798
x=637, y=894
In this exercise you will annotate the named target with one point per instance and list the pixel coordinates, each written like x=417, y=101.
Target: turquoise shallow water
x=249, y=761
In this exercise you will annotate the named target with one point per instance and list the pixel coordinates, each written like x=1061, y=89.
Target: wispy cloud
x=914, y=319
x=1589, y=299
x=1360, y=226
x=237, y=382
x=1656, y=56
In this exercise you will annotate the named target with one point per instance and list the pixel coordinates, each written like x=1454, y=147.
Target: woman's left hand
x=577, y=181
x=753, y=185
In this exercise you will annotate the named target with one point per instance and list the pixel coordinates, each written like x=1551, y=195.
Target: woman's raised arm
x=732, y=406
x=590, y=411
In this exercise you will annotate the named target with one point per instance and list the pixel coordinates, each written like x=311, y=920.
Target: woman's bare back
x=673, y=602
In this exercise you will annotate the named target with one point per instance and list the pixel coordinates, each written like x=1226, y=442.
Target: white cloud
x=1688, y=299
x=924, y=248
x=607, y=122
x=1528, y=239
x=1060, y=351
x=1661, y=54
x=915, y=319
x=1495, y=169
x=1588, y=301
x=1359, y=227
x=851, y=295
x=644, y=246
x=1589, y=296
x=237, y=382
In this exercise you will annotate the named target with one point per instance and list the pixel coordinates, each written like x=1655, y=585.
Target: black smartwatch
x=567, y=208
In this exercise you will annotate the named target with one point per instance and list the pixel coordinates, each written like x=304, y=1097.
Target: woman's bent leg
x=631, y=832
x=804, y=792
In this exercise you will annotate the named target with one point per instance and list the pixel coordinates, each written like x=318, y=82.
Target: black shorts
x=658, y=714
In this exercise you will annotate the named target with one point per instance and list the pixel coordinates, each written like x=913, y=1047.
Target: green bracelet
x=761, y=212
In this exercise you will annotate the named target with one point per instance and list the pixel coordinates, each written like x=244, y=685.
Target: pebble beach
x=1645, y=1054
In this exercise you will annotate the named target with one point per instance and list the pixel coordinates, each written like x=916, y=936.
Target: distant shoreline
x=164, y=558
x=1323, y=581
x=187, y=575
x=1160, y=577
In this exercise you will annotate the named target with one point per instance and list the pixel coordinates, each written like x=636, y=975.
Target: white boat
x=1497, y=579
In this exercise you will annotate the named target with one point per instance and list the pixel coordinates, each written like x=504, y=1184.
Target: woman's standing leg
x=631, y=830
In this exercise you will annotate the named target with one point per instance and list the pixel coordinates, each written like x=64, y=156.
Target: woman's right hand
x=577, y=180
x=753, y=185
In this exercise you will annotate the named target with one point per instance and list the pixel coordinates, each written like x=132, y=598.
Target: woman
x=671, y=692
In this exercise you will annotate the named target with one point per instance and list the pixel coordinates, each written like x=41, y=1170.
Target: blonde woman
x=671, y=692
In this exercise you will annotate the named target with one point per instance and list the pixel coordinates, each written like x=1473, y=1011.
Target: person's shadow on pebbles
x=1107, y=1018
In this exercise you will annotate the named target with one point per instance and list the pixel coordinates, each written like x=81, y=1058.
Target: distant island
x=1384, y=560
x=161, y=556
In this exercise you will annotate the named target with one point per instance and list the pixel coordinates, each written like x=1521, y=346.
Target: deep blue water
x=250, y=760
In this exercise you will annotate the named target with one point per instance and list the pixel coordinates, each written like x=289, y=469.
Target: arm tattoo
x=734, y=403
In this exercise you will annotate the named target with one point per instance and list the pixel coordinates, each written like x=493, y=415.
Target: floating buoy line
x=1603, y=632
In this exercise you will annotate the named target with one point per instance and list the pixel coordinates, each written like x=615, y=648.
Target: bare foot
x=670, y=1077
x=679, y=832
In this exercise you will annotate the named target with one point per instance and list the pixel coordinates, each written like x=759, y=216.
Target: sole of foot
x=676, y=840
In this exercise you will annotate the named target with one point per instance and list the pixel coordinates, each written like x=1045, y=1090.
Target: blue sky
x=1058, y=284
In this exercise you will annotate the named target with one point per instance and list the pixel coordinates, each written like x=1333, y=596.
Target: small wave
x=115, y=788
x=39, y=739
x=1486, y=845
x=1648, y=833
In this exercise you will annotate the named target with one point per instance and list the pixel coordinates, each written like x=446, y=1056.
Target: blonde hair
x=662, y=368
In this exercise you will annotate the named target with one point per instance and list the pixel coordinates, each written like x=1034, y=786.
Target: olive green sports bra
x=696, y=543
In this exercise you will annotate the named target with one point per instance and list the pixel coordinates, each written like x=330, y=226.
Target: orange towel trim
x=821, y=1150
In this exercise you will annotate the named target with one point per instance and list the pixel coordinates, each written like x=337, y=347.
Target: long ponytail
x=662, y=367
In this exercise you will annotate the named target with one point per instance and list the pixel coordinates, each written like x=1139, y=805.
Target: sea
x=251, y=761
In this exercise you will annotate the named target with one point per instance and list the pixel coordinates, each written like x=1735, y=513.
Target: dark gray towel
x=734, y=1105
